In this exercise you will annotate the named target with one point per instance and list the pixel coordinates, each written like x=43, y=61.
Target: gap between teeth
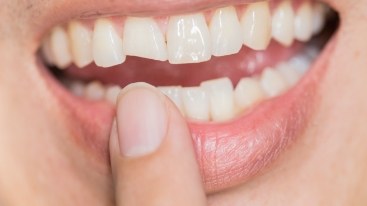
x=216, y=100
x=187, y=38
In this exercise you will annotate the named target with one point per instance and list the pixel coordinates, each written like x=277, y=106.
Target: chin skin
x=39, y=163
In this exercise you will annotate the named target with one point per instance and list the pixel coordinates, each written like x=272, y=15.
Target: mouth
x=245, y=76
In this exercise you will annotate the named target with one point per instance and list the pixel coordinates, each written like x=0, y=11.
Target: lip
x=228, y=153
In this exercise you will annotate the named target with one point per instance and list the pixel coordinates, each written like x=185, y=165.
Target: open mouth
x=244, y=76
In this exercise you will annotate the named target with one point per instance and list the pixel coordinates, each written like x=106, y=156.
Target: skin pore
x=40, y=163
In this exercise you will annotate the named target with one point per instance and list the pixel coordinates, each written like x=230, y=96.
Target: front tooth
x=272, y=82
x=143, y=38
x=256, y=25
x=248, y=92
x=188, y=39
x=196, y=103
x=174, y=93
x=283, y=23
x=112, y=93
x=300, y=63
x=107, y=45
x=221, y=98
x=77, y=88
x=290, y=75
x=303, y=22
x=81, y=44
x=60, y=47
x=94, y=91
x=225, y=32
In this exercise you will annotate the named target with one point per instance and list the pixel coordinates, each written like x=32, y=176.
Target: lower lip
x=228, y=153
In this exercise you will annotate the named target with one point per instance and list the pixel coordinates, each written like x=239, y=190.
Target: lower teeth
x=216, y=100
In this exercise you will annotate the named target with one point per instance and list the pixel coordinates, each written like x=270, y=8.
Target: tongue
x=246, y=63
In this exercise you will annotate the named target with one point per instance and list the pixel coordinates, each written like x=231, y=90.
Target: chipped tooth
x=256, y=26
x=318, y=17
x=47, y=51
x=303, y=22
x=221, y=98
x=225, y=30
x=188, y=39
x=112, y=93
x=272, y=82
x=283, y=23
x=174, y=93
x=60, y=47
x=107, y=44
x=195, y=103
x=94, y=91
x=143, y=38
x=81, y=44
x=290, y=75
x=247, y=93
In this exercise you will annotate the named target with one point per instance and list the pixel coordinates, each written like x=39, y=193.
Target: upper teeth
x=184, y=38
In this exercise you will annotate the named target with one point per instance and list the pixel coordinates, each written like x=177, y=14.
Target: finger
x=152, y=156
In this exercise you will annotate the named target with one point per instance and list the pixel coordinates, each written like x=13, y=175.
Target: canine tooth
x=248, y=92
x=188, y=39
x=81, y=44
x=221, y=98
x=107, y=45
x=196, y=103
x=283, y=23
x=60, y=47
x=318, y=17
x=272, y=82
x=47, y=51
x=112, y=93
x=303, y=22
x=174, y=93
x=143, y=38
x=256, y=25
x=290, y=75
x=94, y=91
x=225, y=30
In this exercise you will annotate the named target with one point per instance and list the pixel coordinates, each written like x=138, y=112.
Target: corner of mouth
x=232, y=145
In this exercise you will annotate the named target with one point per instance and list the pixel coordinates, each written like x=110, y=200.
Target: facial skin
x=41, y=165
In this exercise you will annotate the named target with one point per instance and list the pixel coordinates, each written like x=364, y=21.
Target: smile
x=245, y=76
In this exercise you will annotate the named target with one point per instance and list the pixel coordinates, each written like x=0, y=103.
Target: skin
x=40, y=164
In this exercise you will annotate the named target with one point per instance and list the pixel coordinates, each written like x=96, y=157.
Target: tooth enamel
x=256, y=26
x=247, y=93
x=283, y=23
x=303, y=22
x=221, y=99
x=188, y=39
x=318, y=17
x=174, y=93
x=94, y=91
x=107, y=45
x=47, y=51
x=300, y=63
x=112, y=93
x=290, y=75
x=81, y=44
x=143, y=38
x=60, y=47
x=272, y=82
x=196, y=103
x=225, y=30
x=77, y=88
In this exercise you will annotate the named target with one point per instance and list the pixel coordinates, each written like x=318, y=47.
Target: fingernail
x=141, y=119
